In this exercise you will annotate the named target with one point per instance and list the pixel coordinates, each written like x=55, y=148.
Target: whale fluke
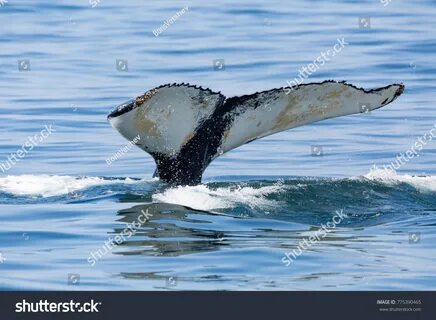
x=185, y=127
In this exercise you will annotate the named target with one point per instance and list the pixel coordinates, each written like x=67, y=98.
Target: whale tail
x=184, y=127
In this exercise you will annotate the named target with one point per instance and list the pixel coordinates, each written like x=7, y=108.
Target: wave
x=390, y=177
x=294, y=195
x=53, y=185
x=203, y=197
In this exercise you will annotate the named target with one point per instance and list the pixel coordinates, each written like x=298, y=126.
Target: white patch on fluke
x=48, y=186
x=423, y=183
x=277, y=111
x=202, y=197
x=167, y=119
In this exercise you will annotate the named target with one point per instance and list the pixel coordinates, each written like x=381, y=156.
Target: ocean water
x=61, y=202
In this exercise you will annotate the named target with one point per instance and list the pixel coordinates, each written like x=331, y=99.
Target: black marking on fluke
x=187, y=166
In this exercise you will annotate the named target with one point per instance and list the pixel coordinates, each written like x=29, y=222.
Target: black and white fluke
x=185, y=127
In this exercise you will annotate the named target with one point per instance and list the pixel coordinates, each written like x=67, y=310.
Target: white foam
x=424, y=183
x=49, y=185
x=202, y=197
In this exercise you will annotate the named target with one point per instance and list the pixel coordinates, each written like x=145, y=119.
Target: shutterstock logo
x=52, y=307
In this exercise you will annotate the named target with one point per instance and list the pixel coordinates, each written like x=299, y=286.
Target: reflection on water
x=171, y=230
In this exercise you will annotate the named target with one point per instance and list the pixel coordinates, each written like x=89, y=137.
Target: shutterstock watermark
x=123, y=150
x=411, y=153
x=306, y=71
x=319, y=234
x=3, y=2
x=94, y=3
x=2, y=259
x=27, y=146
x=44, y=306
x=128, y=231
x=385, y=2
x=169, y=22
